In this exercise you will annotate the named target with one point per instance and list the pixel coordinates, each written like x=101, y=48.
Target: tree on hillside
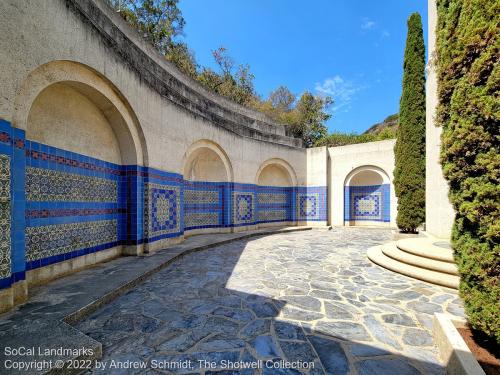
x=282, y=99
x=235, y=84
x=161, y=22
x=409, y=172
x=311, y=117
x=183, y=58
x=158, y=21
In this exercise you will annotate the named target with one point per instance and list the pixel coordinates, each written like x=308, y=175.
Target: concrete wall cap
x=170, y=83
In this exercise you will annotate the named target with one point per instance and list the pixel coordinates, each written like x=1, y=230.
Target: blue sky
x=349, y=49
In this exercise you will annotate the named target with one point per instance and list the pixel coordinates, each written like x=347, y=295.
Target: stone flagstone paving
x=305, y=296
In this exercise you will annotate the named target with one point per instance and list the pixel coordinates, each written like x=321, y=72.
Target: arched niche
x=366, y=176
x=207, y=161
x=70, y=106
x=276, y=172
x=367, y=197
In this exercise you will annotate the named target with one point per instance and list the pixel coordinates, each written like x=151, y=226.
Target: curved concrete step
x=394, y=252
x=426, y=247
x=376, y=255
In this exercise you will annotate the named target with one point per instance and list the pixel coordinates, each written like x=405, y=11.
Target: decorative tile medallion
x=162, y=214
x=366, y=206
x=308, y=206
x=243, y=208
x=57, y=239
x=5, y=199
x=50, y=185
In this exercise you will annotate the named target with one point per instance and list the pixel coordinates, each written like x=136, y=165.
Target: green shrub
x=409, y=172
x=469, y=112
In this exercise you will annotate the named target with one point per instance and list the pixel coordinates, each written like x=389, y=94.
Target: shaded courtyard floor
x=308, y=297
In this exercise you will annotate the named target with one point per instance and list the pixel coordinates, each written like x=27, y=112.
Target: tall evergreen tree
x=469, y=114
x=409, y=173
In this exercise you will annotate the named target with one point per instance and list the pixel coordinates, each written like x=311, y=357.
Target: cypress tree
x=409, y=172
x=469, y=114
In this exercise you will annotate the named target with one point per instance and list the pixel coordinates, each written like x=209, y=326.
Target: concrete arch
x=96, y=89
x=353, y=177
x=276, y=172
x=205, y=160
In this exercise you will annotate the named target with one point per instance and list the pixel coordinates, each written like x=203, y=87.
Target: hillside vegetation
x=162, y=24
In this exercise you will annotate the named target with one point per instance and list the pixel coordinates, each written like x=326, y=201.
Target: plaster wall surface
x=64, y=118
x=317, y=166
x=206, y=165
x=366, y=178
x=345, y=160
x=274, y=175
x=53, y=31
x=439, y=213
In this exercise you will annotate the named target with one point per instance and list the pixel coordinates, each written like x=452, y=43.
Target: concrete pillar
x=439, y=213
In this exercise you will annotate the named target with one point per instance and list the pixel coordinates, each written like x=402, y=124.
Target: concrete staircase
x=425, y=259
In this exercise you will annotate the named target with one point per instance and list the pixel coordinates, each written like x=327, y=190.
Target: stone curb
x=453, y=350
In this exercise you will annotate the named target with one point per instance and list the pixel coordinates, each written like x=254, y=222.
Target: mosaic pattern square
x=370, y=202
x=243, y=208
x=366, y=206
x=308, y=206
x=163, y=209
x=5, y=199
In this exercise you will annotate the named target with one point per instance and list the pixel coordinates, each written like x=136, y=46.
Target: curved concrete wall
x=172, y=111
x=108, y=149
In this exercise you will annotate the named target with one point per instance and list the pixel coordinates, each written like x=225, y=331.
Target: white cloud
x=367, y=24
x=385, y=34
x=342, y=91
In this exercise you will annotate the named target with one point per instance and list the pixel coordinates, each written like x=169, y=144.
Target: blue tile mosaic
x=243, y=208
x=56, y=205
x=74, y=204
x=367, y=203
x=58, y=239
x=311, y=203
x=274, y=204
x=204, y=204
x=5, y=217
x=162, y=216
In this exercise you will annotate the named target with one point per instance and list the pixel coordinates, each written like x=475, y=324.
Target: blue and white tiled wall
x=56, y=205
x=367, y=203
x=75, y=205
x=12, y=205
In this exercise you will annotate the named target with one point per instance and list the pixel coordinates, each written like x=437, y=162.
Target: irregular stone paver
x=312, y=297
